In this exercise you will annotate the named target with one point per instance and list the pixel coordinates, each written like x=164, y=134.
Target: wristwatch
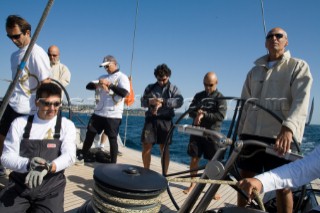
x=48, y=166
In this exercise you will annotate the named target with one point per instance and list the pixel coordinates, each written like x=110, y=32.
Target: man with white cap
x=107, y=116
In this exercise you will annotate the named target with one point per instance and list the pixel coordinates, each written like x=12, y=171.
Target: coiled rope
x=209, y=181
x=105, y=202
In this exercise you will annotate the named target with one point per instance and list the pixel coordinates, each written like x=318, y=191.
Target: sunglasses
x=17, y=36
x=48, y=104
x=162, y=79
x=208, y=85
x=53, y=55
x=277, y=35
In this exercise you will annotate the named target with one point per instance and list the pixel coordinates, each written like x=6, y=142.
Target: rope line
x=132, y=54
x=105, y=202
x=209, y=181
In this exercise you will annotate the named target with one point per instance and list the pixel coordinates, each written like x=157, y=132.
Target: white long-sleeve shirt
x=110, y=104
x=10, y=156
x=294, y=174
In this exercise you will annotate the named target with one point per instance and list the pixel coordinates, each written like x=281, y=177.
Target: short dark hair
x=48, y=89
x=14, y=20
x=162, y=70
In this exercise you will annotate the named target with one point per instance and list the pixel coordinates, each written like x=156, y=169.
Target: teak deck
x=80, y=184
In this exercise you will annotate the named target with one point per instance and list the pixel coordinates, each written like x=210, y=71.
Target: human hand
x=35, y=177
x=155, y=101
x=198, y=118
x=248, y=185
x=283, y=140
x=104, y=84
x=37, y=162
x=155, y=104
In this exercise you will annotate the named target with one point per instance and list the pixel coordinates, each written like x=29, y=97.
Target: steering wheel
x=232, y=133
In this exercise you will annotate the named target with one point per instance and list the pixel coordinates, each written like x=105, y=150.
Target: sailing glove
x=35, y=177
x=38, y=168
x=37, y=162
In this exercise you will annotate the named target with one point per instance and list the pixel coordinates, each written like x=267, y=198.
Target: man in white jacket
x=281, y=84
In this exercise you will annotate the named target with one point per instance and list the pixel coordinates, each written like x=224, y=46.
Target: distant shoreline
x=89, y=110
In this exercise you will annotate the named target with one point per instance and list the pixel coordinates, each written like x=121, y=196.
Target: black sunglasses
x=53, y=55
x=164, y=79
x=277, y=35
x=17, y=36
x=208, y=85
x=47, y=103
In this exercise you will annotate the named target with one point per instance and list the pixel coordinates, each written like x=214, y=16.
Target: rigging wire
x=132, y=54
x=263, y=19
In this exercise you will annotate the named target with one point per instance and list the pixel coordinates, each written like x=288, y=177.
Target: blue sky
x=191, y=36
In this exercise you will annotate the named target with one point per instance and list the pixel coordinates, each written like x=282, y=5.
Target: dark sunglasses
x=162, y=79
x=208, y=85
x=17, y=36
x=52, y=55
x=48, y=104
x=277, y=35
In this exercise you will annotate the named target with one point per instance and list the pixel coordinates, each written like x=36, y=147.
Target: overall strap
x=27, y=129
x=57, y=127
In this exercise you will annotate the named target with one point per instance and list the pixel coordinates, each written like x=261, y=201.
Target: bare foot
x=189, y=189
x=216, y=197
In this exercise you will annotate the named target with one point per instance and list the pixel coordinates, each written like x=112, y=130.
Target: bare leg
x=284, y=201
x=103, y=139
x=242, y=202
x=193, y=165
x=166, y=157
x=146, y=154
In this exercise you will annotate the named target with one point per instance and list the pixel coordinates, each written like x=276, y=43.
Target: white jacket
x=284, y=89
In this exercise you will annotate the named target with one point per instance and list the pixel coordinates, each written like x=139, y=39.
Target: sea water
x=131, y=128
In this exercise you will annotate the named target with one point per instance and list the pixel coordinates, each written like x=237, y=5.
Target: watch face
x=48, y=166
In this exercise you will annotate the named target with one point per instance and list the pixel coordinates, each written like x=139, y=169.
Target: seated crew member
x=37, y=149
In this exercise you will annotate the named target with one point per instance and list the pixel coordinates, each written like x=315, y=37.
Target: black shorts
x=155, y=131
x=199, y=146
x=260, y=162
x=8, y=116
x=110, y=126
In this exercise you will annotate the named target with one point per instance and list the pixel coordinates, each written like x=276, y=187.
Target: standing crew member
x=107, y=115
x=161, y=98
x=209, y=118
x=281, y=84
